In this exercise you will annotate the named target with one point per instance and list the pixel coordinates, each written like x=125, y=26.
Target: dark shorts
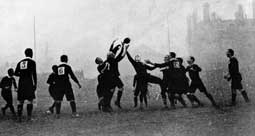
x=68, y=93
x=26, y=95
x=25, y=90
x=100, y=90
x=197, y=85
x=117, y=82
x=7, y=96
x=236, y=84
x=52, y=92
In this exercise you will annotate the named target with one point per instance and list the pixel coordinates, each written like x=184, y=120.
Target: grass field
x=205, y=121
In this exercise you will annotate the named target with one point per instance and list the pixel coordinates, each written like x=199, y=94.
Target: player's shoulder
x=64, y=65
x=233, y=59
x=30, y=60
x=52, y=74
x=5, y=78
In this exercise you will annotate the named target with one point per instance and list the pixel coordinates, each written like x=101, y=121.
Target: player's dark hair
x=97, y=60
x=127, y=40
x=192, y=58
x=29, y=52
x=180, y=60
x=64, y=58
x=172, y=54
x=54, y=68
x=10, y=71
x=231, y=51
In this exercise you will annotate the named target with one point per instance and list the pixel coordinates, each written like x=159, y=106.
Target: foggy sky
x=85, y=28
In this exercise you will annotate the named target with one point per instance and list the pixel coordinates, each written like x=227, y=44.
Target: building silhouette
x=209, y=38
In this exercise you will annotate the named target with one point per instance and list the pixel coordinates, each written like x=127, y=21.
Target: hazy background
x=84, y=29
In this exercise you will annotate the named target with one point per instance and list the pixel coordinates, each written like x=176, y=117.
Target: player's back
x=25, y=68
x=64, y=71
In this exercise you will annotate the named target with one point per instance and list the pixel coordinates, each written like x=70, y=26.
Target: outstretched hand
x=227, y=77
x=114, y=40
x=79, y=85
x=127, y=46
x=148, y=61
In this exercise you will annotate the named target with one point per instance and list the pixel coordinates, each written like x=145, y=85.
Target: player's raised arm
x=112, y=45
x=120, y=55
x=150, y=67
x=132, y=61
x=160, y=65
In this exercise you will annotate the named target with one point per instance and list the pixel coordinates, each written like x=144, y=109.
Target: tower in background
x=253, y=9
x=206, y=12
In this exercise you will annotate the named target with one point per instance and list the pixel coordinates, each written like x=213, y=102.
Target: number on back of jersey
x=177, y=64
x=61, y=70
x=23, y=65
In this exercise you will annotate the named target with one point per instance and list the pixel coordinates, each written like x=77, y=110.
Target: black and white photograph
x=127, y=67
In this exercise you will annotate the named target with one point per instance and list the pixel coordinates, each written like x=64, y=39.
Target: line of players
x=59, y=86
x=173, y=85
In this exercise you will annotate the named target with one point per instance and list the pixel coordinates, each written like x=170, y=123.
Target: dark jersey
x=178, y=80
x=52, y=80
x=167, y=67
x=193, y=71
x=103, y=68
x=233, y=67
x=166, y=73
x=64, y=71
x=140, y=84
x=7, y=82
x=26, y=71
x=114, y=63
x=139, y=67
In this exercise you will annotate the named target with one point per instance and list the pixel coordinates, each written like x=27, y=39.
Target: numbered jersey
x=64, y=71
x=26, y=68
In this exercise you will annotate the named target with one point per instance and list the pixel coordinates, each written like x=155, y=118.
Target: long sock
x=12, y=109
x=164, y=101
x=163, y=95
x=209, y=96
x=141, y=98
x=233, y=98
x=29, y=110
x=53, y=105
x=181, y=100
x=20, y=110
x=58, y=107
x=245, y=96
x=73, y=106
x=196, y=100
x=171, y=99
x=135, y=101
x=190, y=98
x=145, y=101
x=119, y=95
